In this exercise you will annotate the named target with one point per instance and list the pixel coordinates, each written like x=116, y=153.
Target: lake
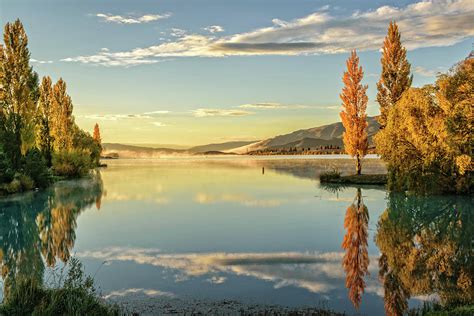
x=252, y=229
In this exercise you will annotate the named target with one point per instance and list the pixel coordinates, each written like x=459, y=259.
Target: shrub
x=329, y=175
x=76, y=296
x=14, y=186
x=35, y=167
x=26, y=182
x=6, y=170
x=72, y=164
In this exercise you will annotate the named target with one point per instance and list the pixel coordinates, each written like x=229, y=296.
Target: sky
x=189, y=72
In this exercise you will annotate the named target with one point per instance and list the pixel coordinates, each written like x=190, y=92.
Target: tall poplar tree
x=16, y=96
x=353, y=116
x=63, y=123
x=395, y=77
x=44, y=139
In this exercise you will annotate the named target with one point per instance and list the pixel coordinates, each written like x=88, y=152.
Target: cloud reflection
x=313, y=271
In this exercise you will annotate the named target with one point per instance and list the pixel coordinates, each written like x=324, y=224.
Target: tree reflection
x=356, y=258
x=426, y=246
x=37, y=227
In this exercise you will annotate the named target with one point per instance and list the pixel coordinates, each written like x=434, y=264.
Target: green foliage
x=35, y=167
x=72, y=164
x=6, y=169
x=84, y=141
x=76, y=296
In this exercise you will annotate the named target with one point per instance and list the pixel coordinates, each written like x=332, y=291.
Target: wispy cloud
x=36, y=61
x=159, y=124
x=214, y=29
x=175, y=32
x=272, y=105
x=423, y=24
x=157, y=112
x=425, y=72
x=219, y=112
x=116, y=117
x=138, y=292
x=120, y=19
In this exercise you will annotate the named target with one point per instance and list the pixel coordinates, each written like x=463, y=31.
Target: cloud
x=313, y=271
x=219, y=112
x=425, y=72
x=36, y=61
x=159, y=124
x=214, y=29
x=423, y=24
x=115, y=117
x=137, y=292
x=157, y=112
x=175, y=32
x=132, y=19
x=272, y=105
x=248, y=201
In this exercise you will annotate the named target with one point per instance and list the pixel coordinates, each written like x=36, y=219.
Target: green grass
x=75, y=296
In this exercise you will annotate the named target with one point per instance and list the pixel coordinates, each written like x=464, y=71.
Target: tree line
x=39, y=138
x=425, y=134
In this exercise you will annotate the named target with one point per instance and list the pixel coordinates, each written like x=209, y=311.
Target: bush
x=14, y=186
x=72, y=164
x=35, y=167
x=76, y=296
x=26, y=182
x=6, y=170
x=329, y=175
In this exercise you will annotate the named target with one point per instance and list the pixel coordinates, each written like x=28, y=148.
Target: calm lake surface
x=258, y=230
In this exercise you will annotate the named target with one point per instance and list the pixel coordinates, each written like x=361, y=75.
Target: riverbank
x=139, y=305
x=335, y=177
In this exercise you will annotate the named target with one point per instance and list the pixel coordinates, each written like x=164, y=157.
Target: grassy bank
x=363, y=179
x=75, y=296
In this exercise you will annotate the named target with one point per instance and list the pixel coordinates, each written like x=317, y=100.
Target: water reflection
x=426, y=248
x=36, y=229
x=221, y=230
x=356, y=258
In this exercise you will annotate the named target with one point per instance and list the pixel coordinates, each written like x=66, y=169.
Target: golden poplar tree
x=395, y=77
x=63, y=123
x=18, y=108
x=353, y=116
x=96, y=136
x=44, y=139
x=356, y=258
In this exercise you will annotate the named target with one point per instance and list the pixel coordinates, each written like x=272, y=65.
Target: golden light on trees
x=353, y=116
x=356, y=258
x=395, y=77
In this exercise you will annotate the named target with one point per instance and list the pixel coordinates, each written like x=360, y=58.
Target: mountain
x=330, y=134
x=219, y=147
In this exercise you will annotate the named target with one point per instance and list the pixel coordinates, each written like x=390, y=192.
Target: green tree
x=62, y=128
x=17, y=82
x=395, y=77
x=44, y=137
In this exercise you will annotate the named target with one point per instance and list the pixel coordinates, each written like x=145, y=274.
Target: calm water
x=257, y=230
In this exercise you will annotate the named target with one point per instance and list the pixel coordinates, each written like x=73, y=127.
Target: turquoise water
x=257, y=230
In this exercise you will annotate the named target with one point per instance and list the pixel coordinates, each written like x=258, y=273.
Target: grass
x=431, y=309
x=75, y=296
x=334, y=176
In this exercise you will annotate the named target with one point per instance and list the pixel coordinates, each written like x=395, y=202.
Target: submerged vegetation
x=38, y=135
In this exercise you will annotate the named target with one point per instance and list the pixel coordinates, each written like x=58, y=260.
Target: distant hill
x=330, y=134
x=219, y=147
x=132, y=151
x=326, y=135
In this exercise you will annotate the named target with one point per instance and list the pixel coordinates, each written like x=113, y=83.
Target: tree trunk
x=358, y=165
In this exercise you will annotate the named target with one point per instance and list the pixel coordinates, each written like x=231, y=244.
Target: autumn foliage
x=356, y=258
x=353, y=116
x=395, y=77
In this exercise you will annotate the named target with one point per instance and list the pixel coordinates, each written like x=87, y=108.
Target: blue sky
x=195, y=71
